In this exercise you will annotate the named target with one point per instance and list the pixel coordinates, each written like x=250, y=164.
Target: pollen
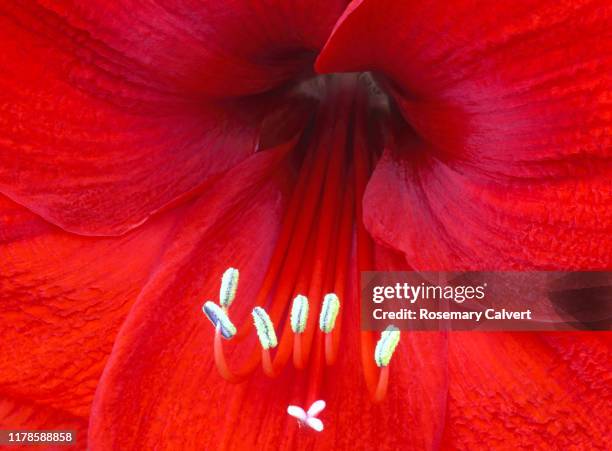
x=385, y=347
x=265, y=328
x=229, y=285
x=329, y=313
x=299, y=314
x=219, y=318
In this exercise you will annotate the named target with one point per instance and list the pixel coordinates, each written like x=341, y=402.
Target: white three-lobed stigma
x=299, y=314
x=309, y=417
x=329, y=313
x=229, y=285
x=386, y=345
x=265, y=328
x=220, y=320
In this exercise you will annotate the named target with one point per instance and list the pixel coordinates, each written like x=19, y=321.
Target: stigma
x=309, y=417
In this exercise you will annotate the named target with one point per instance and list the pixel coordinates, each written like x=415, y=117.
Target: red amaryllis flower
x=148, y=146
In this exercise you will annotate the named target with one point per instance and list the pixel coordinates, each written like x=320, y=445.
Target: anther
x=219, y=318
x=329, y=313
x=385, y=347
x=299, y=314
x=265, y=328
x=229, y=285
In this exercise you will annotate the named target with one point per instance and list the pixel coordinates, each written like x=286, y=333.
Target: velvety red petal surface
x=62, y=301
x=161, y=387
x=205, y=47
x=452, y=216
x=542, y=391
x=104, y=118
x=509, y=165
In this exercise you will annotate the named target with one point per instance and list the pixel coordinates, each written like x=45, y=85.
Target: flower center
x=307, y=278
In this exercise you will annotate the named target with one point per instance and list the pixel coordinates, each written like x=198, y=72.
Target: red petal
x=445, y=216
x=162, y=362
x=511, y=165
x=90, y=150
x=62, y=300
x=199, y=47
x=103, y=119
x=529, y=391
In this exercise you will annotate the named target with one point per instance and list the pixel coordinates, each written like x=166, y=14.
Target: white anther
x=299, y=314
x=220, y=320
x=385, y=347
x=265, y=328
x=329, y=313
x=229, y=285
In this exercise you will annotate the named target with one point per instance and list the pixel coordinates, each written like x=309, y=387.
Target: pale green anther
x=385, y=347
x=265, y=328
x=229, y=285
x=219, y=318
x=329, y=313
x=299, y=314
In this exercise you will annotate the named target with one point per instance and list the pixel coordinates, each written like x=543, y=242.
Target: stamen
x=385, y=347
x=382, y=356
x=299, y=320
x=303, y=285
x=229, y=285
x=299, y=314
x=329, y=313
x=265, y=328
x=220, y=320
